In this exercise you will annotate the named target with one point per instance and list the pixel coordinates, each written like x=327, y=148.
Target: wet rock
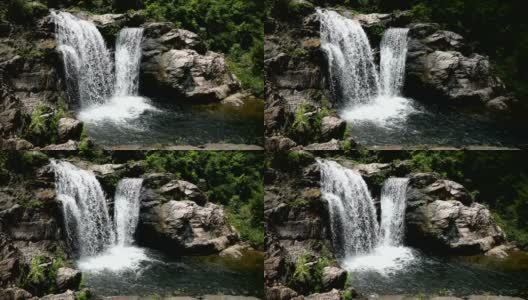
x=185, y=226
x=279, y=144
x=332, y=295
x=67, y=279
x=332, y=127
x=234, y=251
x=14, y=293
x=333, y=277
x=70, y=129
x=235, y=100
x=280, y=293
x=331, y=145
x=68, y=295
x=68, y=146
x=500, y=251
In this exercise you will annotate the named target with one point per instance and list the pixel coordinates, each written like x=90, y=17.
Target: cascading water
x=128, y=57
x=87, y=61
x=353, y=74
x=126, y=209
x=85, y=209
x=393, y=57
x=352, y=213
x=393, y=204
x=358, y=241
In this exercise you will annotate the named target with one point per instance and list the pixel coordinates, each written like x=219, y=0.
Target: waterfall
x=353, y=220
x=353, y=73
x=126, y=209
x=393, y=204
x=393, y=57
x=87, y=61
x=127, y=58
x=84, y=206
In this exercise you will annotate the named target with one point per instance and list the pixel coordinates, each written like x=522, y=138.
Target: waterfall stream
x=88, y=63
x=353, y=73
x=359, y=243
x=353, y=220
x=128, y=58
x=393, y=204
x=366, y=96
x=393, y=56
x=85, y=209
x=126, y=209
x=88, y=225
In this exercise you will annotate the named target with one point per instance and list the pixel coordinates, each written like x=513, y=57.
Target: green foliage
x=44, y=126
x=301, y=119
x=437, y=161
x=234, y=27
x=37, y=272
x=421, y=12
x=233, y=179
x=346, y=295
x=300, y=8
x=82, y=295
x=30, y=160
x=307, y=277
x=302, y=270
x=25, y=12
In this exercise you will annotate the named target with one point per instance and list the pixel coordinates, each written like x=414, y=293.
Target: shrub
x=24, y=12
x=421, y=12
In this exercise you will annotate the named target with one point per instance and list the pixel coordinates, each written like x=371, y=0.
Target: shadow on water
x=184, y=124
x=191, y=276
x=436, y=126
x=454, y=276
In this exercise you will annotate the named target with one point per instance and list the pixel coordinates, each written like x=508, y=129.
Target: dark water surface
x=193, y=276
x=180, y=124
x=450, y=276
x=438, y=126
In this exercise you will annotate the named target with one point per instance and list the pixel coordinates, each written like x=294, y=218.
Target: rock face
x=441, y=216
x=68, y=278
x=333, y=277
x=441, y=67
x=185, y=227
x=70, y=129
x=175, y=64
x=175, y=217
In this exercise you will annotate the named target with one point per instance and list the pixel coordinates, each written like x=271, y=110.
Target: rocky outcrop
x=333, y=277
x=175, y=63
x=68, y=279
x=175, y=217
x=69, y=129
x=185, y=227
x=441, y=216
x=295, y=85
x=441, y=67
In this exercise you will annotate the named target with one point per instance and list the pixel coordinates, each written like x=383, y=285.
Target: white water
x=84, y=206
x=90, y=75
x=88, y=62
x=126, y=209
x=393, y=58
x=358, y=241
x=366, y=95
x=353, y=73
x=352, y=213
x=88, y=224
x=128, y=58
x=393, y=205
x=121, y=255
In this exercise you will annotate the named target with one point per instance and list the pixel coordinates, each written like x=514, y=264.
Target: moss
x=346, y=295
x=299, y=158
x=26, y=12
x=300, y=8
x=299, y=202
x=33, y=159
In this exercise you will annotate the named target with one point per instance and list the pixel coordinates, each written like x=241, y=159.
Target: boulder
x=68, y=279
x=68, y=295
x=333, y=277
x=70, y=129
x=68, y=146
x=183, y=190
x=279, y=144
x=185, y=227
x=280, y=293
x=189, y=75
x=15, y=144
x=442, y=68
x=14, y=293
x=332, y=295
x=440, y=216
x=333, y=144
x=234, y=251
x=332, y=127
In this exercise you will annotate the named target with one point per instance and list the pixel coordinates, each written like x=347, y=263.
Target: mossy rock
x=300, y=8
